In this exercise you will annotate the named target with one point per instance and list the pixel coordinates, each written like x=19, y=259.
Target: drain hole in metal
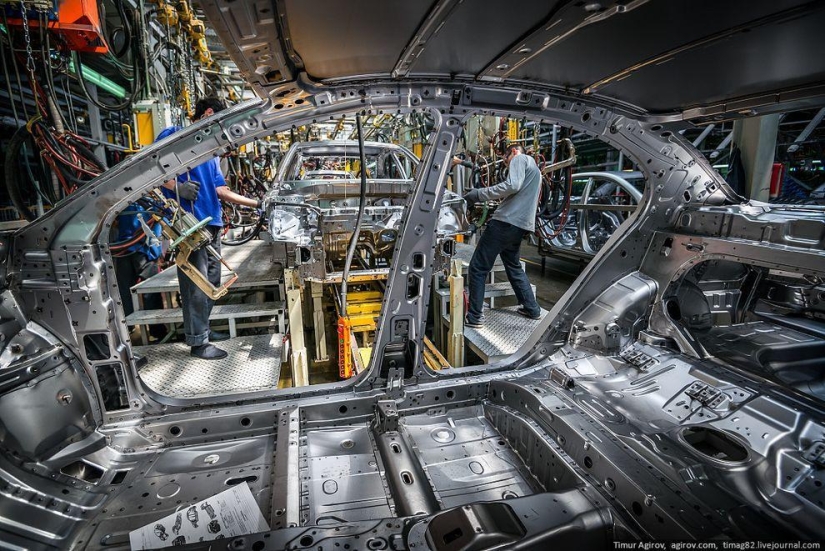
x=714, y=443
x=234, y=481
x=450, y=537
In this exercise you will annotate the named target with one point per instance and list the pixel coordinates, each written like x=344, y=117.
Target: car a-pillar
x=397, y=352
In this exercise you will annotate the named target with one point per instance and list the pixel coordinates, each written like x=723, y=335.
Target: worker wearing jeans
x=200, y=192
x=514, y=218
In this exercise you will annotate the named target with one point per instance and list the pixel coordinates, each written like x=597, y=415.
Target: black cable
x=47, y=199
x=353, y=240
x=13, y=183
x=16, y=72
x=47, y=69
x=137, y=85
x=69, y=103
x=88, y=154
x=68, y=176
x=127, y=29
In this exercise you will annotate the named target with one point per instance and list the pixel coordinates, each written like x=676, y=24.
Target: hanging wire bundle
x=54, y=158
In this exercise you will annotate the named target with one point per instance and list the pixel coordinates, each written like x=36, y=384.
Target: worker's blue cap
x=166, y=132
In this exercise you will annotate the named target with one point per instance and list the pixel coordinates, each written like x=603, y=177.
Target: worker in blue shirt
x=137, y=257
x=200, y=192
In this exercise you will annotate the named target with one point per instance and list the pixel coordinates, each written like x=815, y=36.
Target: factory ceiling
x=665, y=59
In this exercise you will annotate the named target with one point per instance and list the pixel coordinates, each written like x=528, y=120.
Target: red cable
x=565, y=213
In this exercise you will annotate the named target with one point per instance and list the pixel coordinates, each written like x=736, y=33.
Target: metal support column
x=321, y=354
x=756, y=138
x=455, y=346
x=300, y=368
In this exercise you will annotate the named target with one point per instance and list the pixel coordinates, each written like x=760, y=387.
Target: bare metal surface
x=253, y=364
x=341, y=478
x=502, y=332
x=467, y=460
x=637, y=432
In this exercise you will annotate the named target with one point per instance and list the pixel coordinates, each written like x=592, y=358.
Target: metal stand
x=298, y=360
x=455, y=346
x=321, y=354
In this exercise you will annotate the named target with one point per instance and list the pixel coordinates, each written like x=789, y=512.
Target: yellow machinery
x=512, y=131
x=363, y=307
x=151, y=117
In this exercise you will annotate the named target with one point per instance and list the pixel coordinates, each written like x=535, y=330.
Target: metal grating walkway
x=253, y=364
x=504, y=331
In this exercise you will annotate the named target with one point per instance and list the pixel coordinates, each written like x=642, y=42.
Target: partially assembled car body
x=674, y=392
x=600, y=203
x=312, y=209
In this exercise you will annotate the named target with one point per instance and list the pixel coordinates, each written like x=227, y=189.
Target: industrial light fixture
x=93, y=77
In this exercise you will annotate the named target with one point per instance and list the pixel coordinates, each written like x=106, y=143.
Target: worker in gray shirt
x=514, y=218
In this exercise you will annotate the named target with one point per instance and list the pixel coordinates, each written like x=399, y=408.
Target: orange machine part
x=78, y=23
x=344, y=351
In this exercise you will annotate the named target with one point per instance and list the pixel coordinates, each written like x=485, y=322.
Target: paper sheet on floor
x=228, y=514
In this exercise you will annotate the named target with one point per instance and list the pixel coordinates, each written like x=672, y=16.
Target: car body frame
x=612, y=419
x=597, y=210
x=314, y=201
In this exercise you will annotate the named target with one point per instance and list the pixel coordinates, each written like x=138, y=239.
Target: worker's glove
x=472, y=197
x=188, y=190
x=460, y=159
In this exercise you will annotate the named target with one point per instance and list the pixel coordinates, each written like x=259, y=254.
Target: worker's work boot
x=527, y=314
x=208, y=352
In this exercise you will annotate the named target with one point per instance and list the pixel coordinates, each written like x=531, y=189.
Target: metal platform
x=219, y=312
x=500, y=289
x=504, y=331
x=230, y=312
x=251, y=261
x=464, y=253
x=253, y=364
x=491, y=290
